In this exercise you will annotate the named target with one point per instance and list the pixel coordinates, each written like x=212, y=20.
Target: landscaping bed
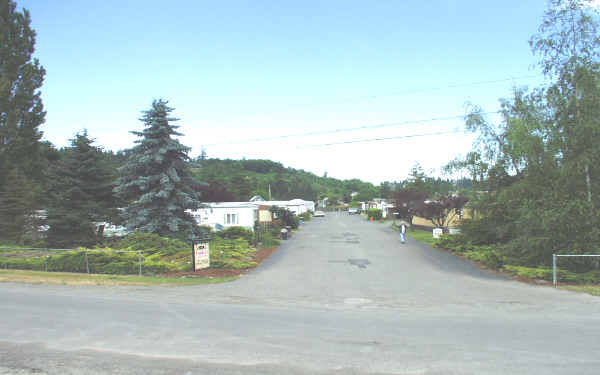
x=232, y=253
x=261, y=255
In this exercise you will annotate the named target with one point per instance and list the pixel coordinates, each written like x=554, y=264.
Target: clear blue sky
x=239, y=70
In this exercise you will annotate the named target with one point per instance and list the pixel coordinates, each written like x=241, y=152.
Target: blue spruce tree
x=155, y=182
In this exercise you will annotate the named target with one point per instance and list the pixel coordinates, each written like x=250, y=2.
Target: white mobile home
x=382, y=204
x=227, y=214
x=296, y=206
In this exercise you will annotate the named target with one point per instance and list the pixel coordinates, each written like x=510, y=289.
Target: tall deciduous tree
x=21, y=109
x=541, y=161
x=82, y=197
x=154, y=182
x=569, y=45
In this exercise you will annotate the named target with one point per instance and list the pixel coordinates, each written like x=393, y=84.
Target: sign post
x=200, y=254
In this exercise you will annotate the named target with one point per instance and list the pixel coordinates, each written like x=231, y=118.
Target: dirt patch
x=261, y=255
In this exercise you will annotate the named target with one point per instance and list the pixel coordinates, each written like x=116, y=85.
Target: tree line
x=149, y=187
x=536, y=170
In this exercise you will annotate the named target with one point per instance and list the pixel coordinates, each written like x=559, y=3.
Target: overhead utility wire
x=416, y=91
x=389, y=124
x=366, y=140
x=380, y=125
x=412, y=91
x=382, y=139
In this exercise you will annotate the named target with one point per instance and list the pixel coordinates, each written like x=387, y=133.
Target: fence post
x=554, y=269
x=140, y=262
x=87, y=264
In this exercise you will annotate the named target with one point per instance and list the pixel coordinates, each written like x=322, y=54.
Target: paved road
x=342, y=296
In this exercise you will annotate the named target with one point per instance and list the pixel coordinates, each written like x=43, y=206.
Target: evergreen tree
x=21, y=109
x=155, y=182
x=17, y=209
x=82, y=195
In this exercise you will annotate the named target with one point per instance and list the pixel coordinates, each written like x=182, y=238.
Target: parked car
x=352, y=211
x=319, y=214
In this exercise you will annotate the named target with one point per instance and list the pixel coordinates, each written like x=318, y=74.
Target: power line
x=382, y=139
x=477, y=83
x=399, y=93
x=365, y=140
x=416, y=91
x=383, y=125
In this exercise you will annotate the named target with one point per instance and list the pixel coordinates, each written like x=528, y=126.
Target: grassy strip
x=594, y=290
x=39, y=277
x=421, y=236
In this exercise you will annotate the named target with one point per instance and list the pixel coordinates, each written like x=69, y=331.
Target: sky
x=289, y=81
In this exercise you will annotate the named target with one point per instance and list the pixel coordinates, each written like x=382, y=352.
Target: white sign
x=201, y=256
x=437, y=232
x=454, y=230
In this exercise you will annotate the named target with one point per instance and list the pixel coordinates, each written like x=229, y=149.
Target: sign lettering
x=201, y=256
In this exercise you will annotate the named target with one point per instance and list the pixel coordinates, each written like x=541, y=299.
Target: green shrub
x=447, y=241
x=104, y=261
x=150, y=243
x=233, y=233
x=235, y=253
x=493, y=259
x=531, y=273
x=305, y=216
x=275, y=229
x=70, y=261
x=480, y=232
x=33, y=264
x=591, y=277
x=374, y=213
x=269, y=240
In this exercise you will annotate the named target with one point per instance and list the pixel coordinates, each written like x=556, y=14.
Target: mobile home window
x=231, y=219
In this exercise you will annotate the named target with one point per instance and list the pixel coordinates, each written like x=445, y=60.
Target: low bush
x=159, y=255
x=451, y=241
x=269, y=240
x=480, y=232
x=233, y=233
x=457, y=243
x=491, y=258
x=374, y=213
x=150, y=243
x=235, y=253
x=305, y=216
x=293, y=221
x=591, y=277
x=33, y=264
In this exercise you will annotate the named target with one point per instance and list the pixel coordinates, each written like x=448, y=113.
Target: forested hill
x=239, y=180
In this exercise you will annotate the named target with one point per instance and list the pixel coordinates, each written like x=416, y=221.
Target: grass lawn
x=421, y=236
x=65, y=278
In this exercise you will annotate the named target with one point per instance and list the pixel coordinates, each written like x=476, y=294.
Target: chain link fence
x=89, y=261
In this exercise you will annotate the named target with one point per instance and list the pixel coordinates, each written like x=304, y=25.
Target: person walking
x=403, y=232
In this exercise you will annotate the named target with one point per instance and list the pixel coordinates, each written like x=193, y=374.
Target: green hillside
x=239, y=180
